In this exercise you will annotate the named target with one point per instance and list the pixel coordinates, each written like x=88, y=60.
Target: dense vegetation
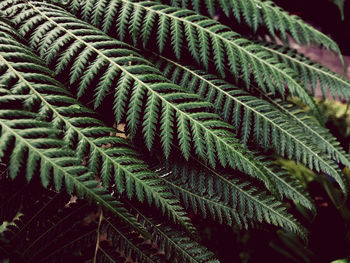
x=126, y=127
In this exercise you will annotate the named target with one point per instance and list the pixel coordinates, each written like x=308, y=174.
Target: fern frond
x=53, y=231
x=228, y=199
x=127, y=242
x=311, y=73
x=192, y=140
x=36, y=233
x=34, y=143
x=182, y=111
x=314, y=72
x=316, y=132
x=254, y=117
x=82, y=132
x=203, y=37
x=261, y=13
x=177, y=246
x=167, y=244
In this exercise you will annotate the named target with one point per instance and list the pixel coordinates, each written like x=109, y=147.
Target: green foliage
x=206, y=114
x=261, y=13
x=209, y=42
x=248, y=114
x=254, y=205
x=81, y=132
x=65, y=223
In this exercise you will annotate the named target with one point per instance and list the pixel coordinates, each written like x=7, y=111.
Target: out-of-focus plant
x=340, y=4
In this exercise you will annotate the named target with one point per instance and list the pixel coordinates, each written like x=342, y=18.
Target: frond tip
x=262, y=13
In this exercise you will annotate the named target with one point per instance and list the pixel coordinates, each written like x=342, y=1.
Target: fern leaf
x=54, y=162
x=249, y=58
x=320, y=135
x=83, y=132
x=234, y=200
x=167, y=127
x=177, y=246
x=127, y=241
x=254, y=117
x=261, y=13
x=52, y=231
x=149, y=130
x=312, y=73
x=192, y=110
x=36, y=235
x=122, y=22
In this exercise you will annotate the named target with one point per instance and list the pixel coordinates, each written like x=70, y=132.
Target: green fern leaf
x=262, y=13
x=249, y=58
x=254, y=117
x=126, y=241
x=312, y=73
x=277, y=19
x=193, y=111
x=54, y=162
x=320, y=135
x=149, y=128
x=177, y=246
x=232, y=194
x=172, y=110
x=79, y=134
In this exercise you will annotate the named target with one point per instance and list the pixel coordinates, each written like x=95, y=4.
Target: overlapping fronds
x=272, y=115
x=224, y=197
x=307, y=72
x=29, y=82
x=311, y=73
x=35, y=148
x=206, y=39
x=257, y=118
x=266, y=13
x=176, y=245
x=128, y=243
x=261, y=13
x=139, y=88
x=287, y=185
x=47, y=226
x=48, y=235
x=202, y=142
x=220, y=196
x=317, y=133
x=50, y=230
